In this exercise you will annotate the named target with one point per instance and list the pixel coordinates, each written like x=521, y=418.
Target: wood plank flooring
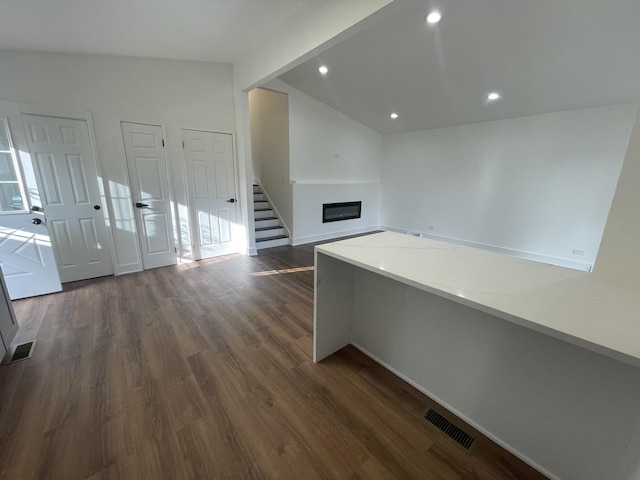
x=204, y=371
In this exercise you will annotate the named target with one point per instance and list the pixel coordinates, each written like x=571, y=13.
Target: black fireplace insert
x=334, y=212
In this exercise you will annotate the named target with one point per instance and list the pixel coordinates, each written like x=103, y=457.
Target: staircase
x=269, y=230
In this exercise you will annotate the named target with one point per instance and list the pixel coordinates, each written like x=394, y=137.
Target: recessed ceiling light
x=323, y=70
x=394, y=115
x=493, y=96
x=433, y=17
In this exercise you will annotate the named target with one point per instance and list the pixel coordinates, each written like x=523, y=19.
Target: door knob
x=36, y=221
x=141, y=205
x=97, y=207
x=231, y=200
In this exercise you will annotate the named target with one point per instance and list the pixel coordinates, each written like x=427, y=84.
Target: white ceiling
x=205, y=30
x=542, y=56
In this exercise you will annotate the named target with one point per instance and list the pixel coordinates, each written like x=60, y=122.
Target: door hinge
x=182, y=143
x=175, y=249
x=163, y=142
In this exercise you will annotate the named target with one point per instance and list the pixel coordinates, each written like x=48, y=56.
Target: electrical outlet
x=431, y=228
x=577, y=251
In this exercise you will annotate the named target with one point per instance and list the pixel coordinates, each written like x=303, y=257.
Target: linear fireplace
x=334, y=212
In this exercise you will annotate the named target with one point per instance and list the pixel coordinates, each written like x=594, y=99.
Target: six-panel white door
x=212, y=195
x=150, y=193
x=26, y=255
x=63, y=159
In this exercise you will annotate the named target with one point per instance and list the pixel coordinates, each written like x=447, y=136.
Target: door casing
x=13, y=111
x=169, y=255
x=71, y=170
x=201, y=207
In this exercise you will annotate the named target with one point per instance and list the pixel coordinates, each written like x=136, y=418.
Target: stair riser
x=258, y=197
x=269, y=233
x=264, y=214
x=267, y=223
x=263, y=204
x=272, y=243
x=256, y=189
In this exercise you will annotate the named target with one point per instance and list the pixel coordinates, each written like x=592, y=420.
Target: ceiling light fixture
x=493, y=96
x=394, y=115
x=433, y=17
x=323, y=70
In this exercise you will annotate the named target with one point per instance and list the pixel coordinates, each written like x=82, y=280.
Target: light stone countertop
x=567, y=304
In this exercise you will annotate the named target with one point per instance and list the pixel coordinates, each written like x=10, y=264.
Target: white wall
x=309, y=31
x=538, y=186
x=307, y=210
x=619, y=257
x=269, y=117
x=333, y=158
x=174, y=94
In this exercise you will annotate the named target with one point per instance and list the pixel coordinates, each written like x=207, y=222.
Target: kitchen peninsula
x=543, y=359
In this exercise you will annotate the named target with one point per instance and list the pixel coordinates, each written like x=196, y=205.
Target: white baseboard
x=536, y=257
x=330, y=236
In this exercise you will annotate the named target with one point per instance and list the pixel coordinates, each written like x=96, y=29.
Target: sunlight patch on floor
x=286, y=270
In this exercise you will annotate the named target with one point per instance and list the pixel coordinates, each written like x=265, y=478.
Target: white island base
x=542, y=359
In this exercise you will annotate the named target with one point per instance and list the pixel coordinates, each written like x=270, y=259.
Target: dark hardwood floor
x=204, y=371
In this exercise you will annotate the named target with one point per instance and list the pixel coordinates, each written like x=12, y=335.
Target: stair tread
x=266, y=239
x=262, y=209
x=262, y=229
x=265, y=218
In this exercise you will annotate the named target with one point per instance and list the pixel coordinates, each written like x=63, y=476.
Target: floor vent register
x=452, y=431
x=22, y=352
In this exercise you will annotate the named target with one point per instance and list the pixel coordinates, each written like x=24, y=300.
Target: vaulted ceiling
x=540, y=56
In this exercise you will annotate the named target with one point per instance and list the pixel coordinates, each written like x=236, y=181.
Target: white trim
x=137, y=267
x=536, y=257
x=458, y=414
x=84, y=115
x=176, y=225
x=194, y=235
x=330, y=236
x=19, y=171
x=187, y=200
x=102, y=192
x=208, y=130
x=335, y=182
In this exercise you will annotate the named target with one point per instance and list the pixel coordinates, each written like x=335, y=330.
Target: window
x=12, y=197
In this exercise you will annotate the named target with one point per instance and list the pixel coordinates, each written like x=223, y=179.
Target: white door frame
x=236, y=181
x=167, y=156
x=17, y=109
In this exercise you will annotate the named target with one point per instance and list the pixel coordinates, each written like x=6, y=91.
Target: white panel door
x=26, y=255
x=63, y=159
x=150, y=192
x=212, y=194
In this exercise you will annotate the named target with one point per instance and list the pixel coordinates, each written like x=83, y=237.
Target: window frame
x=17, y=166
